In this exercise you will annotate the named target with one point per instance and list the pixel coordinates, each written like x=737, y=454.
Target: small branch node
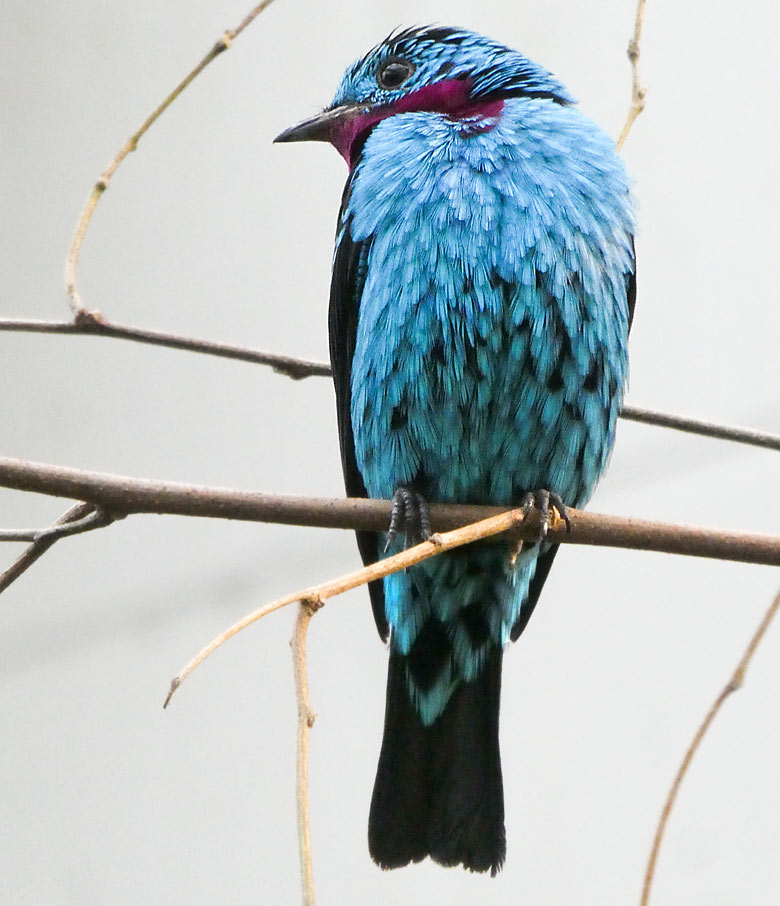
x=95, y=517
x=313, y=603
x=88, y=320
x=436, y=539
x=38, y=548
x=736, y=682
x=223, y=44
x=291, y=371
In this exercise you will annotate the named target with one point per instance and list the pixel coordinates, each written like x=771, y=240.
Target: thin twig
x=96, y=518
x=306, y=717
x=95, y=325
x=748, y=436
x=512, y=520
x=119, y=494
x=298, y=369
x=734, y=683
x=71, y=264
x=38, y=548
x=638, y=92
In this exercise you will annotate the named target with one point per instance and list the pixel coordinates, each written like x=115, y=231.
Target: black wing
x=545, y=560
x=631, y=289
x=349, y=277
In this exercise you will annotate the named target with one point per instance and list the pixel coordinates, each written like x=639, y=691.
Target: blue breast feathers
x=491, y=348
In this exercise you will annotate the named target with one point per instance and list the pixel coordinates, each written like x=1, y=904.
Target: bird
x=483, y=288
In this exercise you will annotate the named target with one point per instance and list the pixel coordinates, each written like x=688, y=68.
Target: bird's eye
x=393, y=73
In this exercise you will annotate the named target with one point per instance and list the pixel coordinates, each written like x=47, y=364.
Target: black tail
x=438, y=789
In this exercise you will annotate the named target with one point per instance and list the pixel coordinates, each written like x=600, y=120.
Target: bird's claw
x=409, y=515
x=542, y=500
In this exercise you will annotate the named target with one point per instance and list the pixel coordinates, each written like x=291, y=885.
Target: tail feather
x=397, y=824
x=438, y=789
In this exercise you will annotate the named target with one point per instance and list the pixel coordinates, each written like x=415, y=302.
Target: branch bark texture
x=120, y=496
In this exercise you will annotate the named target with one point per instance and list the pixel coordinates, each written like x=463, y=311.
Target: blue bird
x=483, y=289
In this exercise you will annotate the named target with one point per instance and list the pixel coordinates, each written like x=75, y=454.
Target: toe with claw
x=542, y=500
x=409, y=515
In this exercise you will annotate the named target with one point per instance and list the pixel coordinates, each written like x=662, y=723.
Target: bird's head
x=449, y=71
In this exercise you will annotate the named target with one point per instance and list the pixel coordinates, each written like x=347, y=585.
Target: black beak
x=320, y=128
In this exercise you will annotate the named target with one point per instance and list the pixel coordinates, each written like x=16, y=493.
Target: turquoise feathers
x=495, y=286
x=482, y=296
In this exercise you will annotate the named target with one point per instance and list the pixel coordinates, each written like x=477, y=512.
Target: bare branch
x=121, y=495
x=38, y=548
x=734, y=683
x=96, y=518
x=306, y=717
x=512, y=520
x=311, y=600
x=638, y=92
x=705, y=429
x=71, y=264
x=93, y=324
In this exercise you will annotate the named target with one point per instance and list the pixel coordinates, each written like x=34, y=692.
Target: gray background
x=211, y=231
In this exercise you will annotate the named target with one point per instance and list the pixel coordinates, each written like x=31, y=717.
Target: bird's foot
x=409, y=515
x=542, y=500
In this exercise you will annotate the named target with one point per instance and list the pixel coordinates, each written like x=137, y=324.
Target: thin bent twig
x=71, y=265
x=638, y=92
x=306, y=717
x=513, y=520
x=734, y=683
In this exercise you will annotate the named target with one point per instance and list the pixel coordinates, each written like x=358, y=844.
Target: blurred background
x=210, y=230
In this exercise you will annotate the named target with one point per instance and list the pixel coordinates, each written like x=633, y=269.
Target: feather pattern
x=490, y=353
x=483, y=289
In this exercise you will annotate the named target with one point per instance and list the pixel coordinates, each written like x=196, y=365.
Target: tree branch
x=93, y=324
x=312, y=599
x=306, y=717
x=71, y=264
x=510, y=520
x=39, y=547
x=734, y=683
x=638, y=92
x=121, y=495
x=95, y=518
x=747, y=436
